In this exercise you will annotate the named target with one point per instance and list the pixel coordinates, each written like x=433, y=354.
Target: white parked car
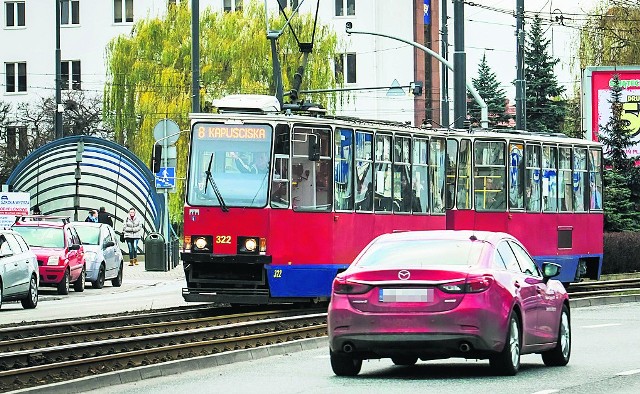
x=19, y=278
x=102, y=253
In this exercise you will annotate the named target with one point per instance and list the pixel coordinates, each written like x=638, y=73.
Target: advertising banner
x=12, y=205
x=596, y=101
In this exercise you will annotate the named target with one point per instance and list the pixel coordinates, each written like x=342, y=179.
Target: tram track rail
x=83, y=355
x=603, y=288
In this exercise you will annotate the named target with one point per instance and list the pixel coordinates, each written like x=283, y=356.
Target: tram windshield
x=237, y=157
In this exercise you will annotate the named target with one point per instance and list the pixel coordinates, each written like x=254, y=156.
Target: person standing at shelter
x=93, y=216
x=103, y=217
x=132, y=231
x=36, y=210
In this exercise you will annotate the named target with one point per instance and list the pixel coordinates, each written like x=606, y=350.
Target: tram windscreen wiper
x=210, y=180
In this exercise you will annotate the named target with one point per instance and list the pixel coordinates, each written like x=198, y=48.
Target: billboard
x=596, y=96
x=12, y=205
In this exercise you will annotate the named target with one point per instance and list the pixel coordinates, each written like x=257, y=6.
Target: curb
x=603, y=300
x=175, y=367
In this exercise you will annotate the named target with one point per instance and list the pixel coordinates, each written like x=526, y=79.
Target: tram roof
x=377, y=125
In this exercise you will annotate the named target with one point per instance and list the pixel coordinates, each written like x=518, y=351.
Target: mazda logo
x=404, y=275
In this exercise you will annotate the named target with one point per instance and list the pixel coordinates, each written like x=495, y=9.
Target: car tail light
x=341, y=286
x=473, y=284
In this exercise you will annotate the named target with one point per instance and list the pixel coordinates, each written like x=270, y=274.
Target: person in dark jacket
x=104, y=217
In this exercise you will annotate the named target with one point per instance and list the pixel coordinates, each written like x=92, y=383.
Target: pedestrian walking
x=132, y=231
x=104, y=217
x=93, y=216
x=36, y=210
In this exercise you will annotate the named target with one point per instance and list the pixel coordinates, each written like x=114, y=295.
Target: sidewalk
x=139, y=271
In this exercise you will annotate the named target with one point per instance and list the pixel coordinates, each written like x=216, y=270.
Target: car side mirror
x=74, y=247
x=549, y=270
x=108, y=244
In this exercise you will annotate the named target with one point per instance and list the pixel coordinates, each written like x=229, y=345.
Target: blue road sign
x=166, y=178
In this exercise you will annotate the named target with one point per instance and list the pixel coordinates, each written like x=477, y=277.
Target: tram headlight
x=251, y=245
x=201, y=243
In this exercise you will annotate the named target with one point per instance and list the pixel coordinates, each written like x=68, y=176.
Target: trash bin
x=155, y=257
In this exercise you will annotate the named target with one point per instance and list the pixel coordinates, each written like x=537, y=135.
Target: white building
x=28, y=31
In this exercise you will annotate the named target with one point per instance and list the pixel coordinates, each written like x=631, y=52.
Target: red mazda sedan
x=438, y=294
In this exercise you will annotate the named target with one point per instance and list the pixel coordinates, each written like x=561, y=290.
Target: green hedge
x=621, y=252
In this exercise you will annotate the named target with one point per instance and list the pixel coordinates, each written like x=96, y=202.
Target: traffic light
x=156, y=159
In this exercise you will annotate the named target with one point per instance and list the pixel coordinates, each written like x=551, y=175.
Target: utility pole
x=444, y=99
x=521, y=123
x=459, y=66
x=58, y=125
x=195, y=56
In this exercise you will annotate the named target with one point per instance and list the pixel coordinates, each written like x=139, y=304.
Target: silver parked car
x=18, y=270
x=102, y=253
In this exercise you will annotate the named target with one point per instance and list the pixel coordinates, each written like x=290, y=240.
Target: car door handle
x=516, y=284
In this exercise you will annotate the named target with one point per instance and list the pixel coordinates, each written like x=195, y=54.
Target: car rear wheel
x=63, y=286
x=344, y=365
x=117, y=281
x=559, y=355
x=404, y=360
x=31, y=301
x=78, y=285
x=507, y=362
x=99, y=283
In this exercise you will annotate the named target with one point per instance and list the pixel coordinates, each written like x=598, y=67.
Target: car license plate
x=406, y=295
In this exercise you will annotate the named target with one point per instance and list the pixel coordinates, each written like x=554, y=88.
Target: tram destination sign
x=231, y=132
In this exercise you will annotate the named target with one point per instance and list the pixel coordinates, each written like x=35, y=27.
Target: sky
x=492, y=31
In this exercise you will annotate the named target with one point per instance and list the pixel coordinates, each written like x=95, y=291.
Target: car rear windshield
x=89, y=235
x=45, y=237
x=422, y=253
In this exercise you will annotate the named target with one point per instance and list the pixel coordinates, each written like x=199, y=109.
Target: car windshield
x=89, y=235
x=44, y=237
x=422, y=253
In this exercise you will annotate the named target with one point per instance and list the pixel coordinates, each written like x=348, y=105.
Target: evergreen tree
x=620, y=213
x=489, y=89
x=545, y=108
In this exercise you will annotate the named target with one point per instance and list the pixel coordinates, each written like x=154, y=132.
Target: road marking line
x=603, y=325
x=546, y=392
x=625, y=373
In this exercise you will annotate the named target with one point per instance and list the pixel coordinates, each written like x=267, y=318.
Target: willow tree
x=611, y=35
x=149, y=71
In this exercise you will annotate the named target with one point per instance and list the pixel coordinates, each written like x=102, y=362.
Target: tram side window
x=549, y=178
x=343, y=172
x=451, y=170
x=311, y=184
x=532, y=178
x=463, y=197
x=420, y=184
x=595, y=179
x=580, y=180
x=280, y=195
x=402, y=194
x=490, y=166
x=516, y=175
x=437, y=156
x=364, y=172
x=382, y=195
x=565, y=185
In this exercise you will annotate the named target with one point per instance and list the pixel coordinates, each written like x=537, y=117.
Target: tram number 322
x=223, y=239
x=277, y=273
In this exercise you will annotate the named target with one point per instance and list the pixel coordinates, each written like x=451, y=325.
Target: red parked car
x=58, y=248
x=438, y=294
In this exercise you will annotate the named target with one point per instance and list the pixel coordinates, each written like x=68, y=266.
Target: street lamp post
x=58, y=124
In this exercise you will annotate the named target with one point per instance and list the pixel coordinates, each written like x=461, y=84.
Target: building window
x=232, y=5
x=345, y=7
x=16, y=77
x=69, y=12
x=348, y=69
x=70, y=75
x=293, y=4
x=14, y=11
x=122, y=11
